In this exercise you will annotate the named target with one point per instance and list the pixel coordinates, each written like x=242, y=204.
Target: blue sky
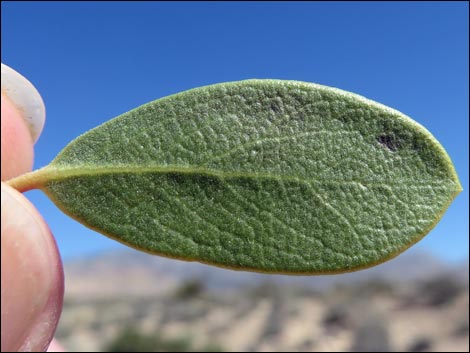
x=92, y=61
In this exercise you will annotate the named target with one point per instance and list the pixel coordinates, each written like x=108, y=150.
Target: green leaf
x=263, y=175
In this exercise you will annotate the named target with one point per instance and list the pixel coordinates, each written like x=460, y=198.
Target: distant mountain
x=132, y=273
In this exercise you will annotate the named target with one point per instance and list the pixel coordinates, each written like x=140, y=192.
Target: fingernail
x=26, y=98
x=31, y=278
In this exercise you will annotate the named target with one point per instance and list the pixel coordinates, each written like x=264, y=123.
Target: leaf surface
x=263, y=175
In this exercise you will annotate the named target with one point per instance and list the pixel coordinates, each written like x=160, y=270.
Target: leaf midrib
x=51, y=173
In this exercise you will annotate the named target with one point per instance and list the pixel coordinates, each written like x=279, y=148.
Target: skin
x=32, y=283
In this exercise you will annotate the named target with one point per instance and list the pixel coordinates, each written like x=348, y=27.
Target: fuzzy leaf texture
x=262, y=175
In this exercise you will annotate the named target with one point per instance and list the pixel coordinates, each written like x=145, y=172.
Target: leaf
x=263, y=175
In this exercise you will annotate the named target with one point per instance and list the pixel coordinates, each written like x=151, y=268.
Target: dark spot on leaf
x=416, y=146
x=275, y=107
x=176, y=178
x=388, y=141
x=207, y=181
x=204, y=181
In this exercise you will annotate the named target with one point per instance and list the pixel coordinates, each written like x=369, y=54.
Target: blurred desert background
x=128, y=301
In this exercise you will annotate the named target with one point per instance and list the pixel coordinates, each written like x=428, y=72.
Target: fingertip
x=31, y=276
x=26, y=98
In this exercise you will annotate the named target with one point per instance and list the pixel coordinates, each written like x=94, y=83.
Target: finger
x=23, y=116
x=16, y=142
x=31, y=276
x=26, y=97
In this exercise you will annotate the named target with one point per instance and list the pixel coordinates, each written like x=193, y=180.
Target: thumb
x=31, y=276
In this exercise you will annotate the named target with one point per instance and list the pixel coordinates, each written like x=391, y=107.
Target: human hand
x=31, y=270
